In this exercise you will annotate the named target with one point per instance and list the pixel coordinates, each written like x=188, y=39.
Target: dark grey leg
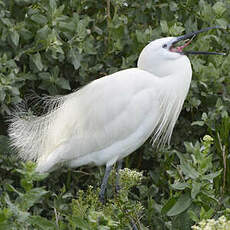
x=119, y=166
x=104, y=184
x=134, y=226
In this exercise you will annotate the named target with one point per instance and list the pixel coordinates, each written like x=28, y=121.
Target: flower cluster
x=133, y=175
x=211, y=224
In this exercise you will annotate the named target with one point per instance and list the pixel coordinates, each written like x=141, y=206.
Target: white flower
x=211, y=224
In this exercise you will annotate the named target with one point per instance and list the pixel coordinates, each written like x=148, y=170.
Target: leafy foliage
x=87, y=213
x=55, y=46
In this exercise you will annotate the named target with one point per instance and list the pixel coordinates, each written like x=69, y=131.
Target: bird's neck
x=178, y=81
x=165, y=67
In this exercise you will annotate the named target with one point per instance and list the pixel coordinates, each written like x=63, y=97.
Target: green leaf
x=63, y=83
x=42, y=223
x=67, y=26
x=14, y=90
x=164, y=26
x=74, y=57
x=219, y=8
x=193, y=216
x=2, y=95
x=141, y=36
x=181, y=222
x=53, y=4
x=199, y=123
x=12, y=189
x=14, y=35
x=206, y=214
x=181, y=205
x=208, y=198
x=39, y=18
x=179, y=186
x=211, y=176
x=46, y=76
x=44, y=32
x=6, y=225
x=4, y=143
x=26, y=34
x=222, y=22
x=176, y=30
x=168, y=205
x=21, y=215
x=80, y=223
x=173, y=6
x=7, y=22
x=187, y=168
x=195, y=189
x=36, y=59
x=31, y=197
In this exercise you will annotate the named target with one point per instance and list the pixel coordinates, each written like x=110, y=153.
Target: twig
x=222, y=147
x=108, y=10
x=56, y=218
x=82, y=172
x=225, y=166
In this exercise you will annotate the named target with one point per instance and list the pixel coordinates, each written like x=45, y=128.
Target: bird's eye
x=164, y=46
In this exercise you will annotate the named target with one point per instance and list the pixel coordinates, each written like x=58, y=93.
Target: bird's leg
x=119, y=166
x=104, y=184
x=134, y=226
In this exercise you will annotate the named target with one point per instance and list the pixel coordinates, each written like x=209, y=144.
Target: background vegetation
x=55, y=46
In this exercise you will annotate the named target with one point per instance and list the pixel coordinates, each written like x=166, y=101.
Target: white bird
x=111, y=117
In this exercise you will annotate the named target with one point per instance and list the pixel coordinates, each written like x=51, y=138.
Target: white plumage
x=111, y=117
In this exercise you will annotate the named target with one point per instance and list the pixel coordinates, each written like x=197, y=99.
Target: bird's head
x=164, y=56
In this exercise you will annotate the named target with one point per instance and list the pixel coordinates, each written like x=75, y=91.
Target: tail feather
x=28, y=133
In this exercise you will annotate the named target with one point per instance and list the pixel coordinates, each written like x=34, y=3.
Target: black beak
x=190, y=36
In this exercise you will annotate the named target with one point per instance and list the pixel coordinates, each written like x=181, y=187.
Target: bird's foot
x=102, y=198
x=134, y=226
x=117, y=188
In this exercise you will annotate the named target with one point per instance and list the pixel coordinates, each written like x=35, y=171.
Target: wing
x=104, y=112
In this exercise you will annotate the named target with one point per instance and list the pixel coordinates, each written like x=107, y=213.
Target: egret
x=111, y=117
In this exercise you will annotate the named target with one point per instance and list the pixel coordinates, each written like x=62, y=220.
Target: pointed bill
x=189, y=37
